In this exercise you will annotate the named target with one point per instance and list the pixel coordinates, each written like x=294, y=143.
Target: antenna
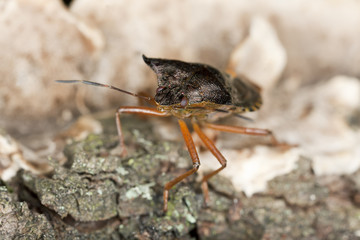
x=150, y=99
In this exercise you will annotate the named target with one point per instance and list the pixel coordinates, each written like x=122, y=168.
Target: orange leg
x=211, y=146
x=134, y=110
x=244, y=130
x=195, y=159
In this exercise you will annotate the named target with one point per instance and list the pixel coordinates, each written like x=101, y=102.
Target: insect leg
x=195, y=159
x=244, y=130
x=211, y=146
x=134, y=110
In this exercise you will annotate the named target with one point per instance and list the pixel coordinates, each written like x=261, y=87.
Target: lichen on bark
x=99, y=195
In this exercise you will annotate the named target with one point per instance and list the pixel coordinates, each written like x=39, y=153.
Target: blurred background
x=304, y=54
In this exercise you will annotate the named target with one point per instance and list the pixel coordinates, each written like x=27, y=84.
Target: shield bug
x=193, y=91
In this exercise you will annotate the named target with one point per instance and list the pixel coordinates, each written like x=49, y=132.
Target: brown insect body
x=193, y=90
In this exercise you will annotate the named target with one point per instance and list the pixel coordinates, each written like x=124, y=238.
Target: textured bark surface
x=98, y=195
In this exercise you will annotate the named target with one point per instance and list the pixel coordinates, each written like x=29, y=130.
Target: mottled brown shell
x=185, y=84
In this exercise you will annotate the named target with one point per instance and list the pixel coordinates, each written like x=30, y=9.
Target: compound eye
x=184, y=102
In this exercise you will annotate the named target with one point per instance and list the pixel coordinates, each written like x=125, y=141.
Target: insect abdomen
x=245, y=94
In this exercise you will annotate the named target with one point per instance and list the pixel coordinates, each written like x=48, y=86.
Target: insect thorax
x=182, y=85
